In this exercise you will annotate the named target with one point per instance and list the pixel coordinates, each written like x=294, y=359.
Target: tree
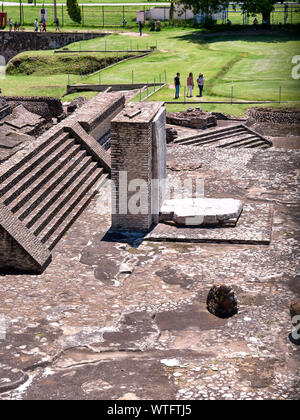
x=265, y=7
x=74, y=10
x=206, y=6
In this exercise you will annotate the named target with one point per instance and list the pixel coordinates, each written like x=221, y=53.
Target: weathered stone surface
x=44, y=106
x=271, y=115
x=248, y=356
x=222, y=301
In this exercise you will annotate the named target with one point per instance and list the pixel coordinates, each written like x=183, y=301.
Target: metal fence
x=113, y=16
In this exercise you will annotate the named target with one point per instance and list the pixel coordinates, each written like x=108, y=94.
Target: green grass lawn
x=255, y=66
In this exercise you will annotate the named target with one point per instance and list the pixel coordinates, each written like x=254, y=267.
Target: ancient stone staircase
x=49, y=188
x=46, y=185
x=238, y=136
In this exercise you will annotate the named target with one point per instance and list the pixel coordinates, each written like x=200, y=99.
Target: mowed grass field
x=253, y=67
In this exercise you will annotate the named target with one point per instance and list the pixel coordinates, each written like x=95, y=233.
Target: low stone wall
x=46, y=107
x=13, y=43
x=112, y=87
x=269, y=115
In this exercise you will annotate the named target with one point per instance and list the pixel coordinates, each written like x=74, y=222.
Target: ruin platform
x=254, y=227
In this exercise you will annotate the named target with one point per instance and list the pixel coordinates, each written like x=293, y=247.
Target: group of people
x=16, y=25
x=42, y=26
x=190, y=84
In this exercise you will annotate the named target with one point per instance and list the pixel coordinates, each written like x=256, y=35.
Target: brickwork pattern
x=131, y=151
x=45, y=186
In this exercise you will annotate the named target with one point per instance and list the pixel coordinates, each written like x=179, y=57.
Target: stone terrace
x=114, y=320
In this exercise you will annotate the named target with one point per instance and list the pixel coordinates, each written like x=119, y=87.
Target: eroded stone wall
x=13, y=43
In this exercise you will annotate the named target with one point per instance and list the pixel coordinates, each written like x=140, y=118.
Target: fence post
x=280, y=93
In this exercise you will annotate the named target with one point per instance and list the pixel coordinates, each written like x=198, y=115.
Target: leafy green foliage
x=74, y=10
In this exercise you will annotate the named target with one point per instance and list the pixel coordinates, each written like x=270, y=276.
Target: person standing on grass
x=140, y=28
x=57, y=25
x=177, y=85
x=44, y=26
x=190, y=85
x=36, y=26
x=10, y=25
x=200, y=83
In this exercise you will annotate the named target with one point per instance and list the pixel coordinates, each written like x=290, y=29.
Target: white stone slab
x=199, y=211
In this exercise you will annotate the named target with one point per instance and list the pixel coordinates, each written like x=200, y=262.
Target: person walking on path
x=10, y=25
x=57, y=25
x=44, y=26
x=36, y=26
x=190, y=85
x=141, y=28
x=177, y=85
x=200, y=83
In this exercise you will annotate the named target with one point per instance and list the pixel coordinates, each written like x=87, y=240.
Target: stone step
x=63, y=201
x=41, y=189
x=219, y=139
x=34, y=181
x=214, y=133
x=258, y=143
x=32, y=162
x=247, y=142
x=243, y=139
x=66, y=216
x=212, y=137
x=58, y=193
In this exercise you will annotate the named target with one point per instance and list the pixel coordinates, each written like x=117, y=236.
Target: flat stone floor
x=117, y=319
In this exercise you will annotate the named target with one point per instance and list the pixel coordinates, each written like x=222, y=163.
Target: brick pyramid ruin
x=47, y=185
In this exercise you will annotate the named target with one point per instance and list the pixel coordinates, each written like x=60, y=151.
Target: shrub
x=74, y=10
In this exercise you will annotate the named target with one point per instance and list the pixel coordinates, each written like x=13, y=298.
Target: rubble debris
x=193, y=118
x=171, y=134
x=76, y=103
x=222, y=301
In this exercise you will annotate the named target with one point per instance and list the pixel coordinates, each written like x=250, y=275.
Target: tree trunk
x=267, y=17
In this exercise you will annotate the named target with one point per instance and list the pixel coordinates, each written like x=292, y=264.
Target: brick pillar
x=137, y=157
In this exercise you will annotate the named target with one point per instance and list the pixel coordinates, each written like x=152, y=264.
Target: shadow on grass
x=249, y=34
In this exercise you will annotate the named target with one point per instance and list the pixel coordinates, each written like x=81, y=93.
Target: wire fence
x=114, y=16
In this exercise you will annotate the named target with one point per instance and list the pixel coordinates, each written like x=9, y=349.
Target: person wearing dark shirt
x=177, y=85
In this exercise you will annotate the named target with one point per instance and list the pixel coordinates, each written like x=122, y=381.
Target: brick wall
x=132, y=152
